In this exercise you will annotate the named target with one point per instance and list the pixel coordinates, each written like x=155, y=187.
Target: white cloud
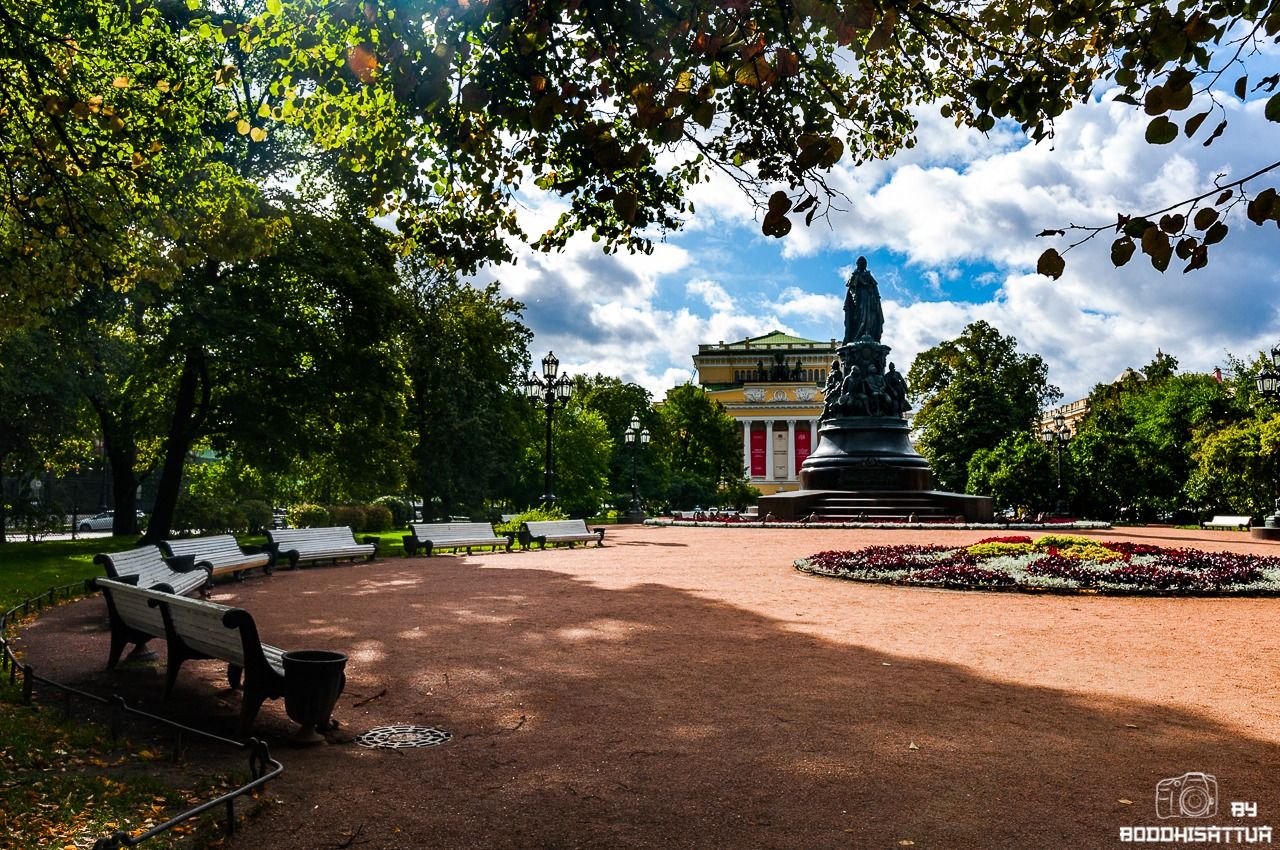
x=956, y=205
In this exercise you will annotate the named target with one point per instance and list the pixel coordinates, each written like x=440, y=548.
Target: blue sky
x=948, y=229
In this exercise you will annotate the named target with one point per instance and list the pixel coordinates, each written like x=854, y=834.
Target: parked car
x=103, y=521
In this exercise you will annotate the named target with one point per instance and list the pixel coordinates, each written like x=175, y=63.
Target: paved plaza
x=687, y=688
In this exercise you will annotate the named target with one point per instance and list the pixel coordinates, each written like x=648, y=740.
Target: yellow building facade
x=772, y=385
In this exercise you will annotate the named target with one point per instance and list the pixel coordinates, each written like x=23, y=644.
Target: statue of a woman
x=863, y=316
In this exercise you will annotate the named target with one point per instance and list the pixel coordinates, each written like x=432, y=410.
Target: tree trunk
x=4, y=517
x=122, y=451
x=188, y=413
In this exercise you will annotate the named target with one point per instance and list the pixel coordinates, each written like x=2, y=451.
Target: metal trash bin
x=313, y=681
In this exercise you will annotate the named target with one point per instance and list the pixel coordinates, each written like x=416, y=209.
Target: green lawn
x=28, y=569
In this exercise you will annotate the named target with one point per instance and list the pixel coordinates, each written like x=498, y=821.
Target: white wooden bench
x=569, y=531
x=221, y=554
x=453, y=535
x=1227, y=521
x=148, y=563
x=133, y=619
x=335, y=543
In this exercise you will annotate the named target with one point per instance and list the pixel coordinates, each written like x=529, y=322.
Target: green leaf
x=1161, y=131
x=1051, y=264
x=1273, y=108
x=275, y=7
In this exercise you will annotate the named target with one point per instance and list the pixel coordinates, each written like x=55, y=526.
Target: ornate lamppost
x=1058, y=436
x=636, y=436
x=1269, y=388
x=550, y=390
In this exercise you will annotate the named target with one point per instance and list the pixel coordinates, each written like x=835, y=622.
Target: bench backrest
x=538, y=528
x=133, y=605
x=147, y=563
x=306, y=540
x=441, y=532
x=218, y=550
x=1233, y=520
x=202, y=627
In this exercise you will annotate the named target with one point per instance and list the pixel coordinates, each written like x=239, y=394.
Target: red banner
x=802, y=446
x=758, y=451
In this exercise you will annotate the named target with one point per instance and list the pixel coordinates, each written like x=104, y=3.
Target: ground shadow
x=650, y=716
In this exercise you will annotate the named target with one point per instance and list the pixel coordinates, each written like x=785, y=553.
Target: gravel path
x=687, y=688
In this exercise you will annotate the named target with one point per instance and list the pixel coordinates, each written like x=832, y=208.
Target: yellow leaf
x=120, y=82
x=1127, y=802
x=242, y=126
x=162, y=85
x=257, y=134
x=912, y=746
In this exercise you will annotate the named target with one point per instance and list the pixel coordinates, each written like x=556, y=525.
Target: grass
x=29, y=569
x=64, y=784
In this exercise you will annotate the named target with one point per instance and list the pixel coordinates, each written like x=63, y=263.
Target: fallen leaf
x=1131, y=725
x=885, y=664
x=1127, y=802
x=906, y=842
x=912, y=746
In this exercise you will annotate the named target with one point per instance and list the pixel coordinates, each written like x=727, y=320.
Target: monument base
x=866, y=469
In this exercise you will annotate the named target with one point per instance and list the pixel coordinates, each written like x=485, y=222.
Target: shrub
x=257, y=515
x=1063, y=541
x=378, y=517
x=207, y=515
x=307, y=516
x=348, y=515
x=401, y=510
x=538, y=514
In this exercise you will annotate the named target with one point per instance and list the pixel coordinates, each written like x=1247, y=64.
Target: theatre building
x=772, y=385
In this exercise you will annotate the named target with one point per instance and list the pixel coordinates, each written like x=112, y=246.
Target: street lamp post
x=1269, y=388
x=636, y=436
x=1058, y=436
x=550, y=390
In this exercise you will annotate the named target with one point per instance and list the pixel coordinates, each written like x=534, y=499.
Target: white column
x=813, y=436
x=791, y=449
x=746, y=445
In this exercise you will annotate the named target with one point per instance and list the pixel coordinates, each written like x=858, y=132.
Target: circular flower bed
x=1054, y=562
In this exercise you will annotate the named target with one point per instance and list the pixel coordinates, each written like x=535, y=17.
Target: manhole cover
x=403, y=737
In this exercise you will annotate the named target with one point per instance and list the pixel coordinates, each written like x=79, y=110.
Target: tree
x=971, y=393
x=1133, y=451
x=39, y=404
x=449, y=107
x=1237, y=466
x=701, y=443
x=466, y=350
x=616, y=403
x=1017, y=473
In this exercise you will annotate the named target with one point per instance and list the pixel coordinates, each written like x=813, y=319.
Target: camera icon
x=1191, y=795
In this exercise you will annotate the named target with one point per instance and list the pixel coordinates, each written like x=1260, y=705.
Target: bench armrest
x=599, y=533
x=511, y=539
x=271, y=550
x=410, y=545
x=374, y=541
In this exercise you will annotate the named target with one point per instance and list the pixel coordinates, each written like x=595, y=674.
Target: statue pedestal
x=865, y=453
x=865, y=469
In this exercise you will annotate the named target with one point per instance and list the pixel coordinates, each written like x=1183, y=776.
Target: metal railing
x=262, y=767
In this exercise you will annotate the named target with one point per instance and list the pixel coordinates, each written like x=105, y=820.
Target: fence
x=262, y=767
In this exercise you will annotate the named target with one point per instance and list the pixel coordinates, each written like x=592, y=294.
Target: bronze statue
x=863, y=316
x=896, y=386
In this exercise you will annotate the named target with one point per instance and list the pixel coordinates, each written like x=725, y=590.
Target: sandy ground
x=687, y=688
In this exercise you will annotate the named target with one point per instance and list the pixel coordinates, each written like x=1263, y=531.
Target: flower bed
x=1054, y=561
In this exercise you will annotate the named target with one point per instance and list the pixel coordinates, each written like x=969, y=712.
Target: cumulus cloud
x=952, y=225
